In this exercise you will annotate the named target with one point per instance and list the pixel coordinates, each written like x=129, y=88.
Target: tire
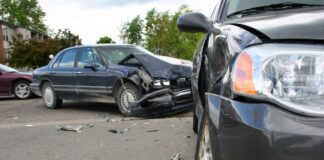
x=50, y=99
x=203, y=142
x=22, y=90
x=127, y=93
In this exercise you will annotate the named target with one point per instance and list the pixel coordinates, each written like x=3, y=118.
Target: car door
x=90, y=76
x=61, y=74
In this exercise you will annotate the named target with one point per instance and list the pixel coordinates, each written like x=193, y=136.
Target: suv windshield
x=240, y=8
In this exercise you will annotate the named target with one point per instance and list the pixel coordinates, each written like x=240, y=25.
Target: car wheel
x=203, y=150
x=126, y=94
x=22, y=90
x=50, y=98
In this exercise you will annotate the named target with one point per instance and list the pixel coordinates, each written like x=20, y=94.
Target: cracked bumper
x=162, y=102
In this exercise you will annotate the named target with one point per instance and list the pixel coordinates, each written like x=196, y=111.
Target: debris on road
x=110, y=120
x=188, y=137
x=114, y=131
x=89, y=125
x=70, y=128
x=152, y=131
x=176, y=157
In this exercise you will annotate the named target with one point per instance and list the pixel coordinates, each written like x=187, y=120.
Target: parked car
x=13, y=82
x=258, y=80
x=140, y=82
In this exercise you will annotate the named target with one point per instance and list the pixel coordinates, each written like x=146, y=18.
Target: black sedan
x=141, y=83
x=258, y=80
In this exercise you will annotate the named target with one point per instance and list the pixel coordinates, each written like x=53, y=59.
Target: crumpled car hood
x=165, y=67
x=306, y=25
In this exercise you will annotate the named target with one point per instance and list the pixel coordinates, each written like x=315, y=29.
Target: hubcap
x=48, y=96
x=205, y=147
x=22, y=90
x=127, y=97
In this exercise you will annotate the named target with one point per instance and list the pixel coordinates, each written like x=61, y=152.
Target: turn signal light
x=243, y=75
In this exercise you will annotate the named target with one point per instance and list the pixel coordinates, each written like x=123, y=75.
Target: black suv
x=258, y=80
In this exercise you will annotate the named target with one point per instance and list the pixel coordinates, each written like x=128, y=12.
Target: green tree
x=67, y=39
x=162, y=36
x=26, y=13
x=104, y=40
x=34, y=53
x=132, y=32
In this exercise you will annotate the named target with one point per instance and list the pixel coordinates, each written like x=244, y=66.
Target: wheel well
x=41, y=84
x=118, y=84
x=17, y=80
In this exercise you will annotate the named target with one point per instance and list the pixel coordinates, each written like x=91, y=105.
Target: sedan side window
x=87, y=56
x=56, y=63
x=68, y=59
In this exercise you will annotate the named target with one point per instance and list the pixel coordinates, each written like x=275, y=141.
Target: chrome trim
x=261, y=54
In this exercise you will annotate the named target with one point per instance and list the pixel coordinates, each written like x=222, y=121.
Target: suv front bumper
x=254, y=131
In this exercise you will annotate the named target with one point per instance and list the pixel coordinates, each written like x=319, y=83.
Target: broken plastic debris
x=176, y=157
x=70, y=128
x=152, y=131
x=114, y=131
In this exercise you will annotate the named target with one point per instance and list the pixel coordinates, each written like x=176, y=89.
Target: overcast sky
x=92, y=19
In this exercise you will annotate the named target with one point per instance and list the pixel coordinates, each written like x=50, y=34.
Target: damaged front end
x=166, y=87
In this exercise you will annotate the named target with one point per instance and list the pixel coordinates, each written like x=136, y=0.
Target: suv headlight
x=291, y=76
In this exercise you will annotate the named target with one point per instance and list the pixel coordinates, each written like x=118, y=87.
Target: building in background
x=8, y=32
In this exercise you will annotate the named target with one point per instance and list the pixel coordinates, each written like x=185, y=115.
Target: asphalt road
x=28, y=131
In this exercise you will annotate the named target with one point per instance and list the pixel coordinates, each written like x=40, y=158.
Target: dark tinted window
x=68, y=59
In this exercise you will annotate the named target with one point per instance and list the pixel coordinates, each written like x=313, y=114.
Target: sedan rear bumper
x=257, y=131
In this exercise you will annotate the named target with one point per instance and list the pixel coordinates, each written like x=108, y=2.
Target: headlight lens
x=294, y=80
x=294, y=77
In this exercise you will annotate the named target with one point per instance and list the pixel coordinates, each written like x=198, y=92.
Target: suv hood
x=305, y=25
x=165, y=67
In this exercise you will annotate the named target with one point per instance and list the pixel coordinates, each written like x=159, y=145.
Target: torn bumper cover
x=162, y=102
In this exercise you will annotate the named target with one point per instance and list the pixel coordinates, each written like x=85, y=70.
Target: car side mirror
x=194, y=22
x=91, y=66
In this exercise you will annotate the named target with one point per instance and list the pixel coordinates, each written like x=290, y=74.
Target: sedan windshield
x=115, y=54
x=240, y=8
x=7, y=69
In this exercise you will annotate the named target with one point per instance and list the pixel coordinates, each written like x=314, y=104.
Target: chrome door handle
x=52, y=72
x=78, y=72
